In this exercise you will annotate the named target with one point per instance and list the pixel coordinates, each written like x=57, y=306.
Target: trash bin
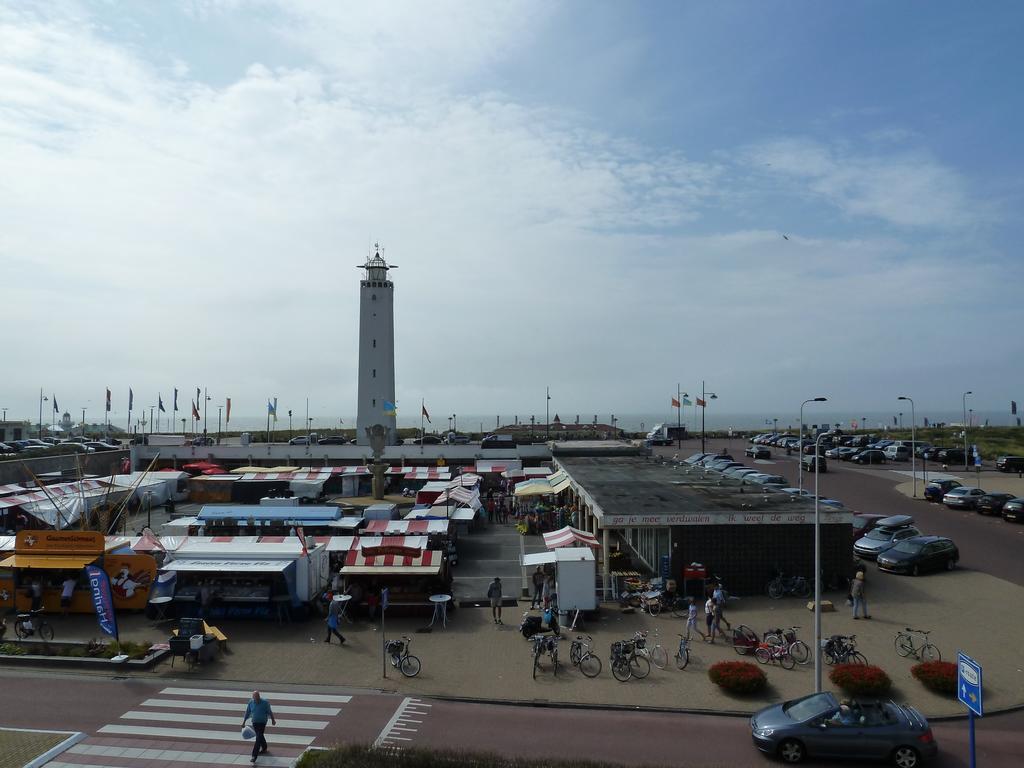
x=195, y=643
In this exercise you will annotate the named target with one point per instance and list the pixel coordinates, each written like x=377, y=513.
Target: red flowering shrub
x=937, y=676
x=738, y=676
x=861, y=679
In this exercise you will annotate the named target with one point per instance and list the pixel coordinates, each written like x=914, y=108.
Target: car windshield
x=908, y=547
x=812, y=706
x=879, y=534
x=860, y=523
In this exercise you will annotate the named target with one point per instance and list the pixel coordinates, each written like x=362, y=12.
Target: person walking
x=720, y=598
x=857, y=593
x=709, y=619
x=67, y=590
x=334, y=618
x=716, y=626
x=691, y=620
x=259, y=711
x=494, y=595
x=538, y=588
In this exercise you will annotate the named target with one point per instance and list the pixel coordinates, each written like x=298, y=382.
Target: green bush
x=133, y=649
x=738, y=676
x=861, y=679
x=363, y=756
x=10, y=649
x=937, y=676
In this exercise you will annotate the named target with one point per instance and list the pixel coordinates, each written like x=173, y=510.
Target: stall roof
x=427, y=564
x=228, y=566
x=428, y=473
x=242, y=547
x=466, y=480
x=569, y=537
x=53, y=562
x=441, y=512
x=485, y=466
x=285, y=476
x=12, y=488
x=405, y=542
x=7, y=543
x=181, y=522
x=302, y=514
x=566, y=554
x=405, y=527
x=436, y=485
x=335, y=543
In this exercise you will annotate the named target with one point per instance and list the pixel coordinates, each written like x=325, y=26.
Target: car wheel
x=906, y=757
x=791, y=751
x=950, y=564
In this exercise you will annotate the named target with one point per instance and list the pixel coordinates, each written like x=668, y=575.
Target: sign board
x=59, y=542
x=968, y=683
x=723, y=518
x=385, y=598
x=977, y=456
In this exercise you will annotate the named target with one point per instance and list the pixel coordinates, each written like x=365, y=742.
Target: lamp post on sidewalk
x=913, y=441
x=704, y=395
x=964, y=399
x=817, y=568
x=800, y=443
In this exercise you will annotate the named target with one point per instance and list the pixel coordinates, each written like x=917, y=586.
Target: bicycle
x=842, y=649
x=401, y=659
x=626, y=663
x=580, y=655
x=544, y=644
x=782, y=585
x=683, y=654
x=657, y=655
x=905, y=645
x=798, y=649
x=766, y=653
x=32, y=623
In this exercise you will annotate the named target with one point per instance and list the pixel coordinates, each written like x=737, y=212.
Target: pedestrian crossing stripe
x=230, y=706
x=189, y=733
x=274, y=695
x=187, y=717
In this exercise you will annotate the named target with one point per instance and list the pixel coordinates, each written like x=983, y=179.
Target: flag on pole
x=275, y=409
x=425, y=414
x=55, y=408
x=675, y=403
x=687, y=401
x=701, y=403
x=894, y=421
x=102, y=599
x=108, y=399
x=199, y=395
x=175, y=407
x=131, y=398
x=228, y=419
x=302, y=540
x=160, y=403
x=195, y=412
x=390, y=409
x=1013, y=407
x=926, y=421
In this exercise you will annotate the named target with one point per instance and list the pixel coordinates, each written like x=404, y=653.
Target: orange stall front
x=53, y=557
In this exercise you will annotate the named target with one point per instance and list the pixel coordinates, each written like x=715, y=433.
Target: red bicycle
x=766, y=653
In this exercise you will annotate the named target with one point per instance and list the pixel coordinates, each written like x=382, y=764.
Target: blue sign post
x=968, y=690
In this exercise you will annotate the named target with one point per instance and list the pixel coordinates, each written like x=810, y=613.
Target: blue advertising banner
x=102, y=599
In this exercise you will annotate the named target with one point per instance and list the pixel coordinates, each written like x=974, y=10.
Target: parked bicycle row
x=632, y=658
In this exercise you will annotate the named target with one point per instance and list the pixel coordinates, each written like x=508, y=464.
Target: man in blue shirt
x=259, y=711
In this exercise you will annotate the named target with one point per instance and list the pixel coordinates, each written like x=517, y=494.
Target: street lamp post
x=547, y=414
x=704, y=395
x=83, y=422
x=964, y=400
x=42, y=398
x=220, y=408
x=817, y=568
x=800, y=443
x=913, y=441
x=775, y=426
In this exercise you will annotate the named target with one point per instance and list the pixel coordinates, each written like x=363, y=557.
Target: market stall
x=575, y=576
x=411, y=572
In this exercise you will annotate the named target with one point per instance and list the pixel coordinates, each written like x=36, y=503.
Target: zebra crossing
x=200, y=728
x=403, y=724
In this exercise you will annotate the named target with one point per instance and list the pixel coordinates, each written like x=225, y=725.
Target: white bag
x=248, y=732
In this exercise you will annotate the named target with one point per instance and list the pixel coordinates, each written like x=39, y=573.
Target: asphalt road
x=986, y=544
x=630, y=738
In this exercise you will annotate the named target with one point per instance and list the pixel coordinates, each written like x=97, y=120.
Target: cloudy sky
x=594, y=196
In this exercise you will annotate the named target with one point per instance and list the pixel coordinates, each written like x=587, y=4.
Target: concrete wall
x=105, y=463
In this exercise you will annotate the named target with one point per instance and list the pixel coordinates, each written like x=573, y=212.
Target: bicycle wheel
x=659, y=657
x=928, y=653
x=680, y=608
x=773, y=639
x=590, y=665
x=763, y=655
x=19, y=630
x=410, y=666
x=621, y=670
x=856, y=657
x=575, y=652
x=46, y=631
x=639, y=667
x=775, y=590
x=787, y=661
x=683, y=658
x=904, y=647
x=536, y=663
x=802, y=589
x=554, y=662
x=800, y=652
x=654, y=607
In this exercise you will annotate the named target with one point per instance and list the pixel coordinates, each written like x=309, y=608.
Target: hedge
x=937, y=676
x=861, y=679
x=363, y=756
x=738, y=676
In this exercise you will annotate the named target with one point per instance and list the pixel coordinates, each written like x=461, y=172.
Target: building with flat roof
x=667, y=517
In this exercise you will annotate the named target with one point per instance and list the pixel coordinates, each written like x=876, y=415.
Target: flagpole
x=679, y=416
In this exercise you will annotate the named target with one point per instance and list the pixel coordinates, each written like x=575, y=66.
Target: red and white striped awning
x=12, y=488
x=334, y=543
x=286, y=476
x=570, y=537
x=364, y=470
x=85, y=487
x=426, y=563
x=409, y=543
x=484, y=466
x=471, y=498
x=428, y=473
x=405, y=527
x=466, y=480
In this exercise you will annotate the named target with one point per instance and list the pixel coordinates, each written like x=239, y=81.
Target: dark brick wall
x=746, y=556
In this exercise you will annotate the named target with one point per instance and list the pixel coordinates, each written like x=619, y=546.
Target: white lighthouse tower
x=376, y=349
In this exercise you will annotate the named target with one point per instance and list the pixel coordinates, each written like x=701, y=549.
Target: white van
x=897, y=453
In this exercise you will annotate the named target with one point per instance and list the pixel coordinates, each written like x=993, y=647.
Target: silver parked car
x=818, y=726
x=887, y=533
